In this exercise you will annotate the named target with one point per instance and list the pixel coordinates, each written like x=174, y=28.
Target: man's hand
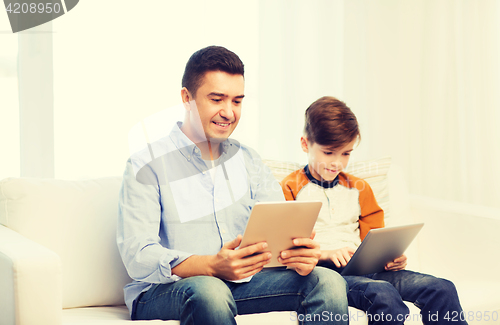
x=340, y=257
x=398, y=264
x=303, y=258
x=232, y=264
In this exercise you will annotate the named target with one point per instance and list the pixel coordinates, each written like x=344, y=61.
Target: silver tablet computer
x=278, y=223
x=379, y=247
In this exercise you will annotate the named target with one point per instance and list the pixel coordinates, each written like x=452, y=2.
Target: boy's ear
x=303, y=144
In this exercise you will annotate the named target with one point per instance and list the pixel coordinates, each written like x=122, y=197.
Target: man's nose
x=227, y=112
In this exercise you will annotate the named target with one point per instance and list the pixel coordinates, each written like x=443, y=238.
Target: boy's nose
x=336, y=164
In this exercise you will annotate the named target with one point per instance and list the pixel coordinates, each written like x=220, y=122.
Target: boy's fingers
x=400, y=259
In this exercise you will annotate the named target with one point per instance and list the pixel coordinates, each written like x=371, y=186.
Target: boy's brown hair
x=329, y=122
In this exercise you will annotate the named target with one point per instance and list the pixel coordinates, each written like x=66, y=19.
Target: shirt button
x=223, y=231
x=196, y=150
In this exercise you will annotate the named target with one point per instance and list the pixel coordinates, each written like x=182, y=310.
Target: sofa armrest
x=458, y=239
x=30, y=282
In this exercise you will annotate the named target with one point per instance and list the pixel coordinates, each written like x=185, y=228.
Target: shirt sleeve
x=293, y=183
x=372, y=216
x=139, y=218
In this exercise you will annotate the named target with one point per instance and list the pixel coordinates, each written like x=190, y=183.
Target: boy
x=349, y=211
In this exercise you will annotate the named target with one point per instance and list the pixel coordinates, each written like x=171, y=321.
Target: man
x=182, y=214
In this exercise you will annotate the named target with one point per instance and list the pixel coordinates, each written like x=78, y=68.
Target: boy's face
x=325, y=164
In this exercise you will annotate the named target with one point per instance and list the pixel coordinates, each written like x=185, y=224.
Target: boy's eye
x=216, y=100
x=347, y=153
x=327, y=152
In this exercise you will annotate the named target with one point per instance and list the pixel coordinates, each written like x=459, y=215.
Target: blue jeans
x=381, y=296
x=318, y=298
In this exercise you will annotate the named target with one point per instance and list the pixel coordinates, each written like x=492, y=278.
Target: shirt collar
x=324, y=184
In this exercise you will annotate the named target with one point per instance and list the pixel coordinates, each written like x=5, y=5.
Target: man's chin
x=217, y=140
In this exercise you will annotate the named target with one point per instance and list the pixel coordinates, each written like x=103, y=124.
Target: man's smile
x=222, y=124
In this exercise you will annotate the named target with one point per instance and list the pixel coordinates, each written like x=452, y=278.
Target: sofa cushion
x=76, y=220
x=373, y=171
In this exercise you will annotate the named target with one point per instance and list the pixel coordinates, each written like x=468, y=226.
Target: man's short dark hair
x=211, y=58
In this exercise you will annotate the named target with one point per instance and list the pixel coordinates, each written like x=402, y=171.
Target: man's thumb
x=233, y=243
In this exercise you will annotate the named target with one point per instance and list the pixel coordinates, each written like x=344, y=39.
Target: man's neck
x=209, y=150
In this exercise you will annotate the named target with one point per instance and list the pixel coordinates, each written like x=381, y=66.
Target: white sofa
x=59, y=263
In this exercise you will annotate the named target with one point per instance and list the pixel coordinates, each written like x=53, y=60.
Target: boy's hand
x=398, y=264
x=340, y=257
x=303, y=258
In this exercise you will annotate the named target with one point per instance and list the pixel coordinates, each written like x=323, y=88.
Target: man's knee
x=330, y=281
x=209, y=293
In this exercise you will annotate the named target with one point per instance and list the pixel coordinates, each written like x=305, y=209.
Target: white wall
x=9, y=104
x=111, y=71
x=421, y=76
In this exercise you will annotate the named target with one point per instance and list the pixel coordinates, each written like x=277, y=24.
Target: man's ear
x=186, y=98
x=303, y=144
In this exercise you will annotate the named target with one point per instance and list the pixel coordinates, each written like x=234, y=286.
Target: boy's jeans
x=319, y=298
x=381, y=295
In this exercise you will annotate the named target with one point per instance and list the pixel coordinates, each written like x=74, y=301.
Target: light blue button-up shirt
x=170, y=207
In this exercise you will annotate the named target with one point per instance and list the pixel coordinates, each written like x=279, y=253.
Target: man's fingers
x=251, y=250
x=233, y=243
x=253, y=269
x=256, y=259
x=305, y=242
x=296, y=261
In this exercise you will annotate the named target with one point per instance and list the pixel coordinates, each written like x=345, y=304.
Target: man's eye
x=237, y=102
x=327, y=152
x=347, y=153
x=216, y=100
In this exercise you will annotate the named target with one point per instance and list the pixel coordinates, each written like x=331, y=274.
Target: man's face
x=218, y=102
x=325, y=164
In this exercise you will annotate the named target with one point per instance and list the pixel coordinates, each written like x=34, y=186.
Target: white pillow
x=373, y=171
x=76, y=220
